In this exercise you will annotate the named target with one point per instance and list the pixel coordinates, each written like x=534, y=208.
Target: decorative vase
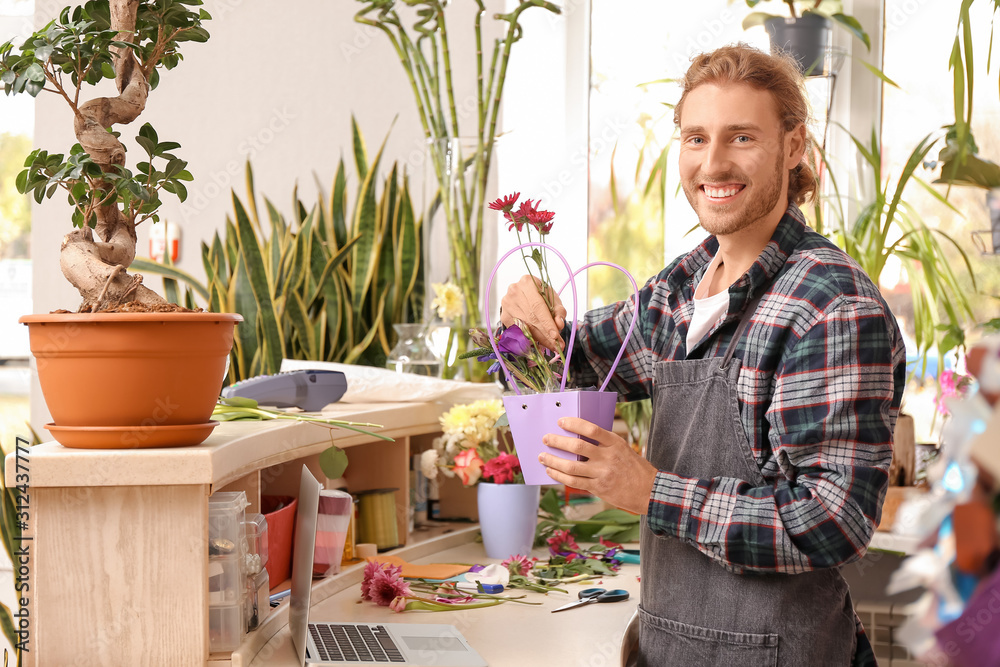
x=158, y=375
x=508, y=514
x=413, y=353
x=531, y=416
x=459, y=231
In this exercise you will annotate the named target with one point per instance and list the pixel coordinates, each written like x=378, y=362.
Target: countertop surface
x=507, y=634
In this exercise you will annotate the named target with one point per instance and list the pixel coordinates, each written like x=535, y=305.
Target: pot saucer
x=131, y=437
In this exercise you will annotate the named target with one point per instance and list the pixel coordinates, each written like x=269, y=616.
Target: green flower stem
x=226, y=412
x=423, y=604
x=446, y=58
x=361, y=17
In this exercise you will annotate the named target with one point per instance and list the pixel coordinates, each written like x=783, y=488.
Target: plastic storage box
x=225, y=627
x=258, y=599
x=227, y=570
x=256, y=530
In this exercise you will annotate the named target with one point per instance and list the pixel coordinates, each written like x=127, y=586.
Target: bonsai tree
x=830, y=9
x=128, y=41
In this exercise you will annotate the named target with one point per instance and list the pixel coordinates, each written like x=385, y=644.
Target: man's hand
x=614, y=472
x=524, y=302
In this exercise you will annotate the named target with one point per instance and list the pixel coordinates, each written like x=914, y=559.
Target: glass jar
x=412, y=353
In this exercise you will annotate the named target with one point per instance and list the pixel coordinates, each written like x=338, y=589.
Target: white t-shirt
x=707, y=311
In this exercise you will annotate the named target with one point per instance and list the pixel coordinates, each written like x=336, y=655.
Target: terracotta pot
x=118, y=370
x=280, y=537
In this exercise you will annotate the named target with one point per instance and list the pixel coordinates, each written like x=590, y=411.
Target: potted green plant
x=805, y=31
x=128, y=369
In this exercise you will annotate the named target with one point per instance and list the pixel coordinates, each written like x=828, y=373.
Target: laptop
x=413, y=644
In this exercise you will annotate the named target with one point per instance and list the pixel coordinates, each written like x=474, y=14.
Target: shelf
x=232, y=451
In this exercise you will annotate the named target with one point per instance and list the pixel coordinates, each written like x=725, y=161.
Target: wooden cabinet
x=118, y=554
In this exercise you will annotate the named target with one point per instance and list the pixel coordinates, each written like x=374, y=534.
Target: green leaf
x=879, y=73
x=273, y=347
x=338, y=205
x=550, y=503
x=333, y=462
x=9, y=630
x=854, y=27
x=149, y=266
x=360, y=155
x=756, y=19
x=364, y=258
x=239, y=402
x=616, y=515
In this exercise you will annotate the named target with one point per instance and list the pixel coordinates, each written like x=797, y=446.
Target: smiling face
x=735, y=158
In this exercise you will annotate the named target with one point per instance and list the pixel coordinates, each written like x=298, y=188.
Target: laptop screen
x=302, y=561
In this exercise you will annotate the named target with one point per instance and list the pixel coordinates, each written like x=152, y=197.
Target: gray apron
x=694, y=612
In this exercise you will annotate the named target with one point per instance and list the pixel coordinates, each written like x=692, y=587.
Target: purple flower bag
x=531, y=416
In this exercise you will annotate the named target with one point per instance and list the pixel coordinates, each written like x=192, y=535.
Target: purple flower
x=513, y=341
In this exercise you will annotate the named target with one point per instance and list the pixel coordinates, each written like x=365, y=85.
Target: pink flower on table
x=952, y=384
x=502, y=468
x=383, y=583
x=469, y=467
x=398, y=604
x=371, y=567
x=519, y=564
x=562, y=544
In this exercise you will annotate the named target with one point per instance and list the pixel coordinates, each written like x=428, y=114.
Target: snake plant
x=326, y=284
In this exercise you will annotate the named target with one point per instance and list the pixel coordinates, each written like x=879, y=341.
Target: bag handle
x=572, y=334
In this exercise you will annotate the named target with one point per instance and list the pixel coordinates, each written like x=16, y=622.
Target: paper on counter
x=367, y=384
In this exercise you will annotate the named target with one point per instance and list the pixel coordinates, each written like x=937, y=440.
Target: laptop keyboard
x=354, y=643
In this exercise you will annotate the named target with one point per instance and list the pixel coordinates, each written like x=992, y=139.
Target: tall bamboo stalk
x=427, y=62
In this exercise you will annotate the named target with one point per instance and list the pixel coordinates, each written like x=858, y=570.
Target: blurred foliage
x=15, y=208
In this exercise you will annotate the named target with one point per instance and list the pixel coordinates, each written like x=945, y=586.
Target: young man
x=776, y=371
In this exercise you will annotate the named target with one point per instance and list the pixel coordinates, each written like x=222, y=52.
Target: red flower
x=609, y=544
x=527, y=210
x=505, y=204
x=502, y=468
x=562, y=544
x=541, y=220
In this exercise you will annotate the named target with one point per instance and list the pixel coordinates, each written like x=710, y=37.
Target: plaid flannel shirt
x=819, y=392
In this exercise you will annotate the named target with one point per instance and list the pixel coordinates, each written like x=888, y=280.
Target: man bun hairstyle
x=777, y=74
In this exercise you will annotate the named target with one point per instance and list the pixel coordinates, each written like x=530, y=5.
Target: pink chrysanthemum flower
x=384, y=584
x=519, y=564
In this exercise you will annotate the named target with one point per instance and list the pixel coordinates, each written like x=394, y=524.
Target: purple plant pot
x=531, y=416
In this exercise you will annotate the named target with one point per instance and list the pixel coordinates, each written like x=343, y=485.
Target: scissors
x=589, y=595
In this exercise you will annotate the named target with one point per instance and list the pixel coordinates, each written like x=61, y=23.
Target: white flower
x=429, y=463
x=447, y=301
x=491, y=574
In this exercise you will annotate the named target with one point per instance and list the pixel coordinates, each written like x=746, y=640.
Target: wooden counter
x=118, y=538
